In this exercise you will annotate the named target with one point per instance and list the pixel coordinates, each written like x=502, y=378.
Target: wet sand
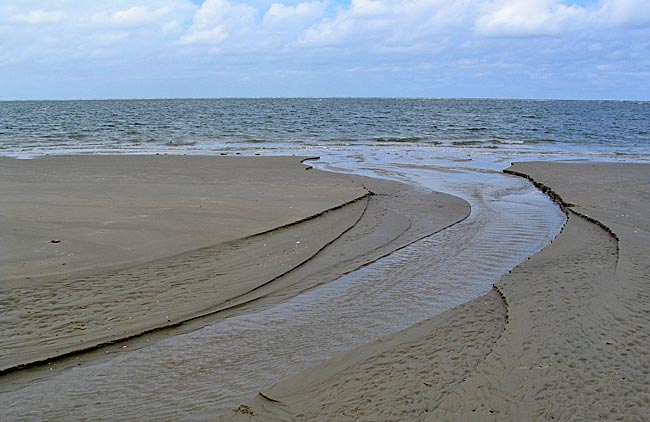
x=564, y=336
x=97, y=249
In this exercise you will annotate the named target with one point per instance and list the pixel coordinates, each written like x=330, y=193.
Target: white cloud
x=171, y=27
x=302, y=13
x=369, y=8
x=136, y=15
x=623, y=12
x=38, y=17
x=381, y=23
x=215, y=34
x=284, y=26
x=552, y=17
x=67, y=30
x=532, y=17
x=218, y=20
x=310, y=36
x=130, y=16
x=223, y=26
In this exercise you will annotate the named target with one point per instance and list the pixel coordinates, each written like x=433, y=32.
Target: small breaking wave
x=469, y=143
x=407, y=139
x=495, y=143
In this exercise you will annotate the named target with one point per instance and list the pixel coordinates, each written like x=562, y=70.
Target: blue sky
x=568, y=49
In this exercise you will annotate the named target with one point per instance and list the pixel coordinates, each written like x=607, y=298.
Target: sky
x=545, y=49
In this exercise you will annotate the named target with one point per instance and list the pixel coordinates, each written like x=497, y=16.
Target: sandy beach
x=98, y=249
x=565, y=336
x=160, y=245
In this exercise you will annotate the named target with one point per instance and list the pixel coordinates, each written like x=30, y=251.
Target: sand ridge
x=58, y=313
x=572, y=341
x=329, y=232
x=400, y=377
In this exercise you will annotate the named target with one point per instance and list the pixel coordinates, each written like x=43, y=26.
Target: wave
x=494, y=143
x=523, y=141
x=469, y=143
x=541, y=141
x=181, y=143
x=507, y=141
x=400, y=139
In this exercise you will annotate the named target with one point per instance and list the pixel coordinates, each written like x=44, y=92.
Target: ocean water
x=592, y=129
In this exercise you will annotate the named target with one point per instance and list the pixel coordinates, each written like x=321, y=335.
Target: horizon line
x=316, y=98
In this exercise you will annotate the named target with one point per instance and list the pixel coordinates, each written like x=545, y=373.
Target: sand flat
x=187, y=237
x=112, y=211
x=573, y=338
x=101, y=248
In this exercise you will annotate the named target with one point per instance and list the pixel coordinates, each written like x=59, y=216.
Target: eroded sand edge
x=566, y=335
x=331, y=224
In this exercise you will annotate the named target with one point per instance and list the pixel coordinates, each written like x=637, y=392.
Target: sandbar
x=100, y=249
x=564, y=336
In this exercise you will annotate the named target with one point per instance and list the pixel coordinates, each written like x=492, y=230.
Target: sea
x=597, y=130
x=457, y=146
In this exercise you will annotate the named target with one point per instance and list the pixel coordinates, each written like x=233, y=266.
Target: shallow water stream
x=198, y=375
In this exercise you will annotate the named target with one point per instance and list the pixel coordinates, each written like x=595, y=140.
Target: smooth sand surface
x=150, y=242
x=565, y=336
x=111, y=211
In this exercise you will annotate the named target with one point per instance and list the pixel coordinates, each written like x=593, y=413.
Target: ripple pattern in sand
x=199, y=375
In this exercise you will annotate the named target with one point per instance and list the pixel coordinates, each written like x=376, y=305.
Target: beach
x=345, y=210
x=160, y=250
x=565, y=336
x=99, y=249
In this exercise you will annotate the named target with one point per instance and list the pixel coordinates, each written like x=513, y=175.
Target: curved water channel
x=198, y=375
